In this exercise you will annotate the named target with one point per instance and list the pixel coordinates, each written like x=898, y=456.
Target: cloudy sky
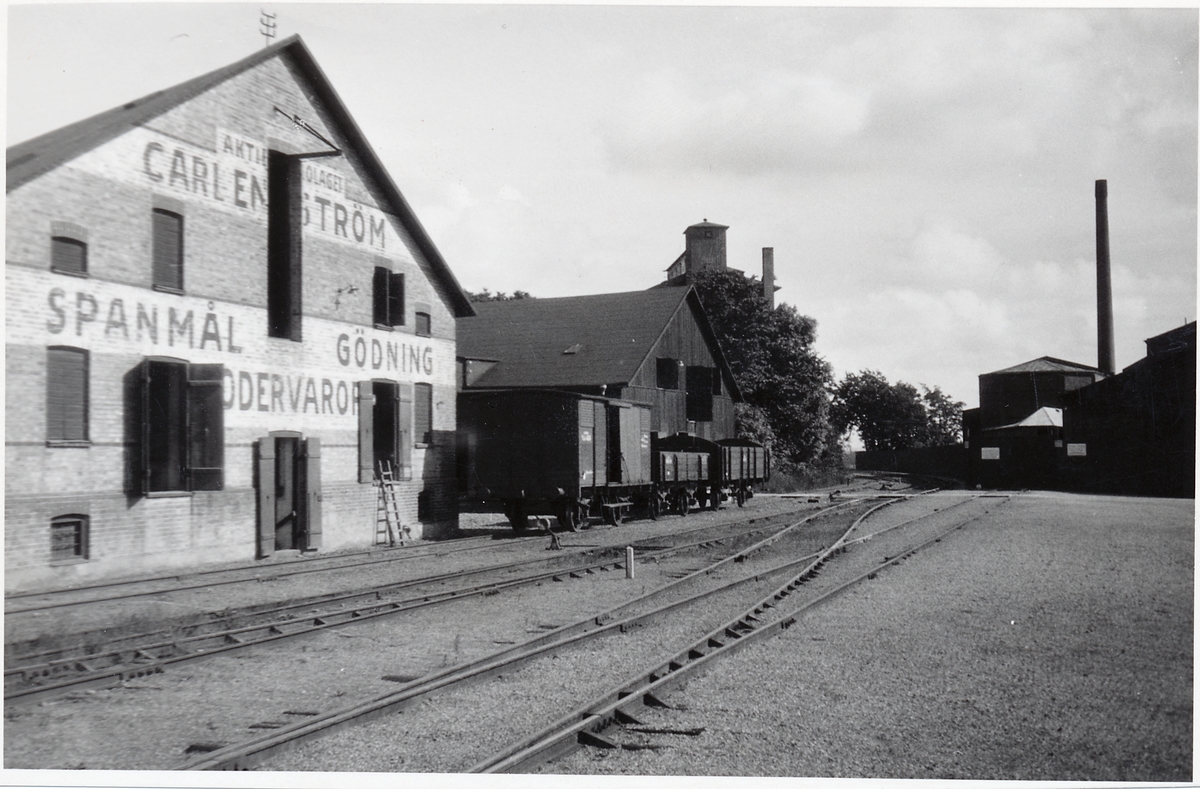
x=925, y=176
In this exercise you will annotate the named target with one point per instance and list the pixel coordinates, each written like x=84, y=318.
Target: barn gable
x=641, y=346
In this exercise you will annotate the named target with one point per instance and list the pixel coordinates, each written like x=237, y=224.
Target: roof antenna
x=267, y=27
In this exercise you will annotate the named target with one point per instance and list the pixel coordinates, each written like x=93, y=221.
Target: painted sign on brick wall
x=232, y=176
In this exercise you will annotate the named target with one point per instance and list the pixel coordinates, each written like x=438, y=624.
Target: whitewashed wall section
x=268, y=382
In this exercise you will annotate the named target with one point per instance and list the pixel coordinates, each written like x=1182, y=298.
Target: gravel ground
x=226, y=696
x=1052, y=640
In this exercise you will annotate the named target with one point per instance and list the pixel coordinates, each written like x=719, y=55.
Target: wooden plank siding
x=683, y=341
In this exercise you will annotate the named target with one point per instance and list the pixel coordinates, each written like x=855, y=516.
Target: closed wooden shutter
x=404, y=432
x=67, y=254
x=396, y=299
x=310, y=471
x=366, y=432
x=205, y=427
x=66, y=394
x=423, y=413
x=168, y=250
x=266, y=496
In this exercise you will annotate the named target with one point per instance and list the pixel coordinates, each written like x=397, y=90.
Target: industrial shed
x=221, y=314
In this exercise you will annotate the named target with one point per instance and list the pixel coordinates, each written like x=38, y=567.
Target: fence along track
x=109, y=668
x=582, y=726
x=250, y=752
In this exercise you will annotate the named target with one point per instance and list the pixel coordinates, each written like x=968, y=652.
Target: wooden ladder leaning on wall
x=388, y=528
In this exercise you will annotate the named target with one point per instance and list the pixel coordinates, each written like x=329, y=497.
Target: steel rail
x=77, y=658
x=247, y=753
x=583, y=725
x=256, y=574
x=134, y=661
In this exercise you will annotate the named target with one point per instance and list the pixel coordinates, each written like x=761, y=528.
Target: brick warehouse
x=222, y=316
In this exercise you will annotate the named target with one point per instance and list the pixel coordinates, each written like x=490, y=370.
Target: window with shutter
x=381, y=282
x=667, y=374
x=423, y=413
x=396, y=299
x=68, y=255
x=167, y=250
x=183, y=426
x=66, y=396
x=422, y=324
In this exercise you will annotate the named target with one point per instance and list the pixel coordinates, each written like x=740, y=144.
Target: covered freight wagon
x=548, y=452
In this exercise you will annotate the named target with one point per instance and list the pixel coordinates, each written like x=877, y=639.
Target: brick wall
x=207, y=156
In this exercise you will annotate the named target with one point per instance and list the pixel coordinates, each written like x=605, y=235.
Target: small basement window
x=69, y=539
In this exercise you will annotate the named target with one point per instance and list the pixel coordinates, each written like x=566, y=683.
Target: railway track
x=618, y=706
x=503, y=662
x=52, y=673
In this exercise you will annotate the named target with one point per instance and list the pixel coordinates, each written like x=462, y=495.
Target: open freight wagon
x=691, y=469
x=547, y=452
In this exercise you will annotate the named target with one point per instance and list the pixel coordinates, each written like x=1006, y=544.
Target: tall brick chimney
x=1104, y=309
x=768, y=277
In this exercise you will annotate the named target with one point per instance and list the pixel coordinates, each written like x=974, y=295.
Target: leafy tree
x=782, y=379
x=487, y=295
x=894, y=416
x=943, y=418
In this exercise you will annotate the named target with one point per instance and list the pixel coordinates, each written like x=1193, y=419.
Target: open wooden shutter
x=396, y=299
x=310, y=457
x=366, y=432
x=143, y=455
x=380, y=296
x=266, y=496
x=404, y=432
x=205, y=427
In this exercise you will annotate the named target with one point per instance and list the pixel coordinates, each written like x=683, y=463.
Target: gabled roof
x=1047, y=364
x=38, y=156
x=1043, y=417
x=577, y=340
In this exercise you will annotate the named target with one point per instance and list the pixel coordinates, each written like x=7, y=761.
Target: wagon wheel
x=655, y=506
x=684, y=503
x=618, y=515
x=741, y=496
x=515, y=510
x=569, y=516
x=714, y=498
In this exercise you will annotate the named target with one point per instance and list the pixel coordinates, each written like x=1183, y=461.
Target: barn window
x=167, y=250
x=69, y=539
x=385, y=426
x=422, y=324
x=66, y=396
x=423, y=413
x=68, y=255
x=699, y=394
x=284, y=219
x=388, y=297
x=668, y=373
x=183, y=426
x=716, y=379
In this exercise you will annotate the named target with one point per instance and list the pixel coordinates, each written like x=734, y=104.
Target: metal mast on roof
x=266, y=24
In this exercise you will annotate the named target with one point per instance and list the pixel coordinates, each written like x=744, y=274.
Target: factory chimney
x=1104, y=311
x=768, y=279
